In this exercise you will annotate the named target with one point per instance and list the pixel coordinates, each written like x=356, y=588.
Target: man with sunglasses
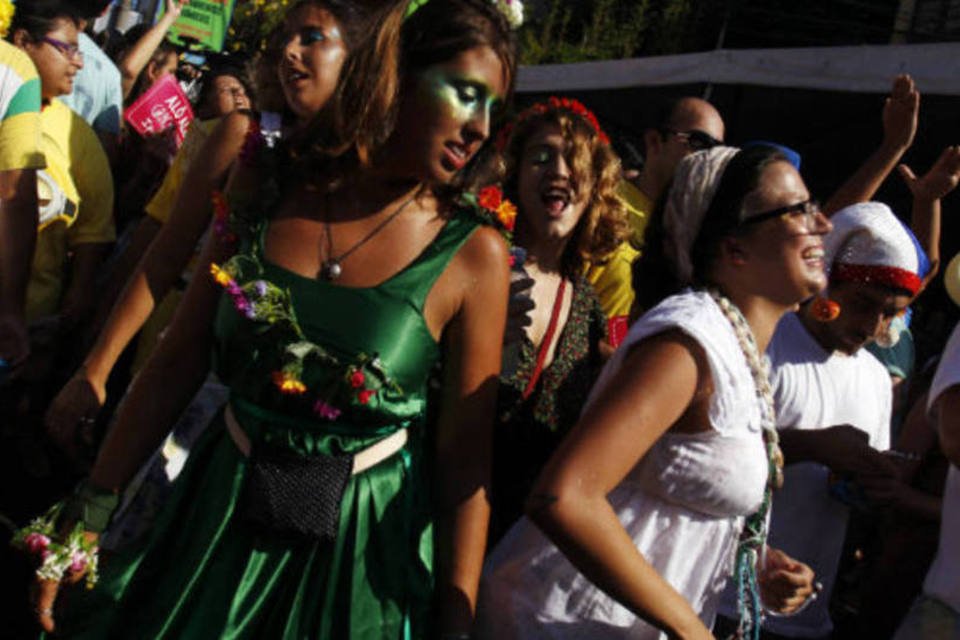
x=682, y=126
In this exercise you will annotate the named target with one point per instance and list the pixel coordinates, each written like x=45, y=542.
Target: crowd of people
x=373, y=354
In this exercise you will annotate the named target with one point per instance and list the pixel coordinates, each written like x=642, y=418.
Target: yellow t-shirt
x=160, y=207
x=76, y=203
x=612, y=280
x=19, y=111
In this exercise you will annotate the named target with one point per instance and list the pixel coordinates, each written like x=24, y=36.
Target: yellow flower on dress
x=288, y=383
x=222, y=277
x=6, y=16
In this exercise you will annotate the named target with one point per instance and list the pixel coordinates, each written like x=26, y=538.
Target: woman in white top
x=646, y=498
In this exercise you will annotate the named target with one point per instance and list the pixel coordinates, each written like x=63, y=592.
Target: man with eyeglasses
x=682, y=126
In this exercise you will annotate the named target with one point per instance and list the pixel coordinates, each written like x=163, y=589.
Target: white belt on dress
x=362, y=460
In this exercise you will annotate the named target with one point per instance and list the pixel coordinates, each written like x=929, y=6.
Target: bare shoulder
x=485, y=250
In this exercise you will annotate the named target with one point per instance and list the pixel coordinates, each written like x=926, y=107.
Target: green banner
x=205, y=20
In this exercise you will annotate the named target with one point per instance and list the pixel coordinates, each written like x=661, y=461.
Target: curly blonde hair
x=603, y=225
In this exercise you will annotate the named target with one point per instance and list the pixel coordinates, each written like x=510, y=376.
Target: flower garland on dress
x=753, y=537
x=73, y=554
x=259, y=301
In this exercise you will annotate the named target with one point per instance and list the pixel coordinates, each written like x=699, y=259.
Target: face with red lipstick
x=311, y=57
x=445, y=114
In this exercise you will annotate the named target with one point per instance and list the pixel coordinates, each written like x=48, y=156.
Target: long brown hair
x=360, y=114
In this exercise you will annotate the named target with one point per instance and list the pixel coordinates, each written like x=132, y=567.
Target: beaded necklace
x=753, y=537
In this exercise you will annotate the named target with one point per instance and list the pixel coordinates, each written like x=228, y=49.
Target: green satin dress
x=204, y=572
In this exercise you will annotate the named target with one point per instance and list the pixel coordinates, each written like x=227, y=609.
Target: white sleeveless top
x=683, y=504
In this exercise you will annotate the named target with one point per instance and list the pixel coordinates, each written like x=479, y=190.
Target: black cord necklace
x=331, y=268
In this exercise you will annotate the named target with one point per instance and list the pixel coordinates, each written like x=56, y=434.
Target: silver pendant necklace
x=332, y=267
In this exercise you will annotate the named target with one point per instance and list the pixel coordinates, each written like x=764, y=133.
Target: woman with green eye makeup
x=562, y=174
x=319, y=504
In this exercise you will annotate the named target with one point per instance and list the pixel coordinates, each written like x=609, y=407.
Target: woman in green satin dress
x=324, y=360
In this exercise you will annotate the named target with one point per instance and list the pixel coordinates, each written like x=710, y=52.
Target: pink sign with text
x=163, y=105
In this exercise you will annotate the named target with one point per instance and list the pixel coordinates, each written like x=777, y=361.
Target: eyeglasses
x=695, y=139
x=68, y=50
x=809, y=209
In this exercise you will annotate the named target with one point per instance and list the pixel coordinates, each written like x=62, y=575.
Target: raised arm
x=899, y=127
x=159, y=269
x=655, y=385
x=140, y=53
x=472, y=347
x=927, y=192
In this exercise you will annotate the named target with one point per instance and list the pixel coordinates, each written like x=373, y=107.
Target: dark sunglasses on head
x=808, y=209
x=695, y=139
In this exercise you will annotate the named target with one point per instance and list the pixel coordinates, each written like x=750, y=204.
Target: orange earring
x=824, y=309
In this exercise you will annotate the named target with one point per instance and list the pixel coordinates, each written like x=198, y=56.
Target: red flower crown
x=552, y=103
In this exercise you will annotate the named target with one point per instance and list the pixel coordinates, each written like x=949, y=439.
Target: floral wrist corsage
x=89, y=510
x=72, y=554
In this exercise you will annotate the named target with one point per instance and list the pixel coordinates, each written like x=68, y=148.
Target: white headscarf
x=694, y=185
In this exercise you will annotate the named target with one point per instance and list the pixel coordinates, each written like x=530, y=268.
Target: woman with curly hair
x=563, y=174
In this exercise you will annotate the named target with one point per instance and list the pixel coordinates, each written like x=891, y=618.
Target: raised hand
x=900, y=112
x=175, y=8
x=941, y=179
x=73, y=413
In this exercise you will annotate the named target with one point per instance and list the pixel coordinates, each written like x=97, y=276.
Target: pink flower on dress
x=325, y=410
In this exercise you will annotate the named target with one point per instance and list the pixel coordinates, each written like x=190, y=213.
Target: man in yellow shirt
x=20, y=157
x=683, y=126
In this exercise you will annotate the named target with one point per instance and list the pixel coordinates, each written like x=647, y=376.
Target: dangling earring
x=824, y=309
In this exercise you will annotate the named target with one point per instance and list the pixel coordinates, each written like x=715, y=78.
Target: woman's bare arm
x=156, y=273
x=472, y=352
x=654, y=387
x=140, y=53
x=166, y=384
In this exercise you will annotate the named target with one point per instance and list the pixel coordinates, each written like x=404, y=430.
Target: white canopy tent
x=864, y=69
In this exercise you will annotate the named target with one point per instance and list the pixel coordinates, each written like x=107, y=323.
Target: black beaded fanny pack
x=293, y=494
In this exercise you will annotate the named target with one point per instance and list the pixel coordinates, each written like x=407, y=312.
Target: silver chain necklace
x=331, y=268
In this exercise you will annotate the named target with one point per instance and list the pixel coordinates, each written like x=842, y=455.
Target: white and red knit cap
x=870, y=245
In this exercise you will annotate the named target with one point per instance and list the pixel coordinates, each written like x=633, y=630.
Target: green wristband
x=91, y=505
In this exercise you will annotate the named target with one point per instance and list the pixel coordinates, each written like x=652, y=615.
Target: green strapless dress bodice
x=205, y=572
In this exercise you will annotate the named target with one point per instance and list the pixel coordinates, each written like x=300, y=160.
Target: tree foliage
x=574, y=31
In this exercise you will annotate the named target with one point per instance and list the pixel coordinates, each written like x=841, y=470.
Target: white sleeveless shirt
x=683, y=504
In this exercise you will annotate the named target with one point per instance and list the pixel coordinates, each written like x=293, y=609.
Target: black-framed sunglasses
x=695, y=139
x=809, y=209
x=68, y=50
